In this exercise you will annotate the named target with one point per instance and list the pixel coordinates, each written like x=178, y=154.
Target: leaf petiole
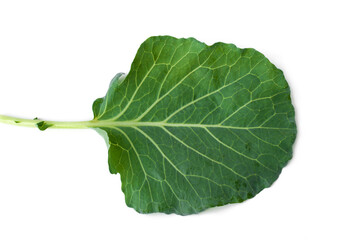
x=38, y=123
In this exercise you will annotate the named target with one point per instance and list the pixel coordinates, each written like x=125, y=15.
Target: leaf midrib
x=105, y=123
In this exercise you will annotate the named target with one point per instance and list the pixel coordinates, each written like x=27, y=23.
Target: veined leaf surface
x=195, y=126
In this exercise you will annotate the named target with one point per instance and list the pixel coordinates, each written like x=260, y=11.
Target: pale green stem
x=42, y=124
x=52, y=124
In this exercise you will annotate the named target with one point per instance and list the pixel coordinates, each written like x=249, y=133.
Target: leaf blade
x=195, y=126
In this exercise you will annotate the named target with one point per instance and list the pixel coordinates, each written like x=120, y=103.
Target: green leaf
x=43, y=125
x=195, y=126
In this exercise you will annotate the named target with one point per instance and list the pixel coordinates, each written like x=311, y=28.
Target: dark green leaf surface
x=195, y=126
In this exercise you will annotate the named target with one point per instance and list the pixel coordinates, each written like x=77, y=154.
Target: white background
x=57, y=58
